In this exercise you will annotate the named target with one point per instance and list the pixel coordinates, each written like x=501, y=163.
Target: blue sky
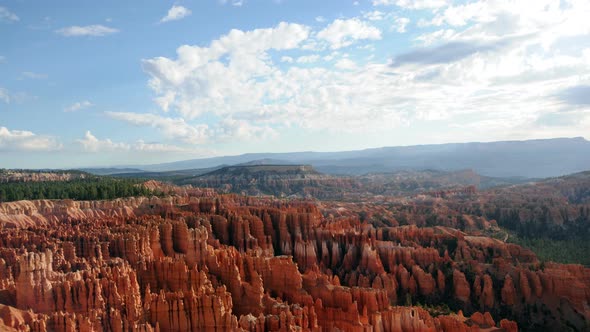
x=99, y=83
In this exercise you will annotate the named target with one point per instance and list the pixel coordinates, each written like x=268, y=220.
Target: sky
x=90, y=83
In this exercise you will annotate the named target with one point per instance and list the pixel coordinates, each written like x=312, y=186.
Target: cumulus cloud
x=401, y=23
x=481, y=75
x=230, y=129
x=175, y=128
x=375, y=15
x=22, y=140
x=252, y=89
x=308, y=58
x=178, y=128
x=199, y=82
x=413, y=4
x=176, y=13
x=487, y=20
x=287, y=59
x=6, y=16
x=80, y=105
x=96, y=30
x=342, y=33
x=91, y=143
x=345, y=64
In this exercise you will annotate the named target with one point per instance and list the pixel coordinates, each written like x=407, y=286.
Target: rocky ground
x=200, y=261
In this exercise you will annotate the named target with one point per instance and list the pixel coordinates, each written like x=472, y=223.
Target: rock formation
x=202, y=262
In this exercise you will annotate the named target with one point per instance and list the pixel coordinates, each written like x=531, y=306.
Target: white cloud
x=198, y=82
x=320, y=19
x=498, y=75
x=4, y=95
x=345, y=64
x=438, y=35
x=308, y=58
x=178, y=128
x=80, y=105
x=96, y=30
x=331, y=56
x=374, y=15
x=251, y=89
x=342, y=33
x=413, y=4
x=229, y=129
x=175, y=128
x=176, y=13
x=8, y=97
x=91, y=143
x=460, y=15
x=486, y=20
x=7, y=16
x=142, y=146
x=401, y=23
x=235, y=3
x=544, y=21
x=287, y=59
x=21, y=140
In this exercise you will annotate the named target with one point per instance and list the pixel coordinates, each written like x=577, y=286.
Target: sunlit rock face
x=39, y=176
x=198, y=261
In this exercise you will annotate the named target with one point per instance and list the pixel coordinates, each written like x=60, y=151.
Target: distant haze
x=532, y=158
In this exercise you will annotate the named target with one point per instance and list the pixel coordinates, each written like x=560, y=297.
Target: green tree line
x=96, y=188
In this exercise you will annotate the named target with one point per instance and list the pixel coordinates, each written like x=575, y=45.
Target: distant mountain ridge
x=305, y=181
x=266, y=168
x=530, y=158
x=271, y=179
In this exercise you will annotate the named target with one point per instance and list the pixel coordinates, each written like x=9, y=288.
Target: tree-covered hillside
x=92, y=188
